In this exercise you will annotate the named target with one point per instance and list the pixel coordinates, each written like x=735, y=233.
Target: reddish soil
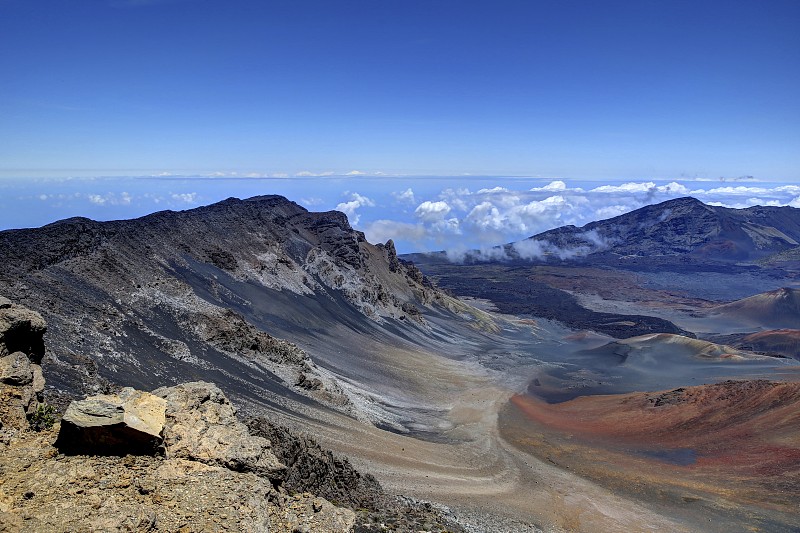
x=733, y=444
x=774, y=309
x=780, y=341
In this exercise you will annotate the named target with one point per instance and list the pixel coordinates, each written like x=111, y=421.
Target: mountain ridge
x=215, y=290
x=685, y=226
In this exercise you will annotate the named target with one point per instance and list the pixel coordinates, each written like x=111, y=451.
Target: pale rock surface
x=41, y=491
x=201, y=425
x=114, y=424
x=215, y=476
x=305, y=513
x=15, y=369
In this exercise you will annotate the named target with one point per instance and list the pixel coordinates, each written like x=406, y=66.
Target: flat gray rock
x=131, y=422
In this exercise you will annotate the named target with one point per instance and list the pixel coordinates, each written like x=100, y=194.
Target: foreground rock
x=134, y=493
x=21, y=351
x=131, y=422
x=188, y=465
x=201, y=425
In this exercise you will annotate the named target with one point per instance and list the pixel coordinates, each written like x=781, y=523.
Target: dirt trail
x=489, y=484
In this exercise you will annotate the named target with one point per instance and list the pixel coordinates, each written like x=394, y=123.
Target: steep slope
x=685, y=226
x=209, y=293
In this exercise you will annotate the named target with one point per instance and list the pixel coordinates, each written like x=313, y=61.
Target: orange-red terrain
x=733, y=447
x=785, y=342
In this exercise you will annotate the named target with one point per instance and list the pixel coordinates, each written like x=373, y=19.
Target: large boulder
x=201, y=425
x=131, y=422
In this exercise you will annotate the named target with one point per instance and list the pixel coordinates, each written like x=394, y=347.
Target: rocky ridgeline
x=311, y=468
x=21, y=351
x=155, y=299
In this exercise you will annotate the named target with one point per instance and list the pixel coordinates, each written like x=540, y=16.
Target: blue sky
x=608, y=90
x=441, y=124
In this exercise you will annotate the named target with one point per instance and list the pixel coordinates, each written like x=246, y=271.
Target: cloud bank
x=470, y=225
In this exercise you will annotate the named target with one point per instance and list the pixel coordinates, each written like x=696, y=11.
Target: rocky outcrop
x=201, y=425
x=21, y=330
x=310, y=468
x=313, y=469
x=21, y=351
x=132, y=493
x=131, y=422
x=209, y=475
x=230, y=332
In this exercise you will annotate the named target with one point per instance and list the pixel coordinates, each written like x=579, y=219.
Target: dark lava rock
x=311, y=468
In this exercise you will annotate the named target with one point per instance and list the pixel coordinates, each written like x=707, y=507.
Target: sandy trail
x=489, y=484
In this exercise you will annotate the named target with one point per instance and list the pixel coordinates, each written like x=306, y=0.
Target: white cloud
x=349, y=208
x=486, y=216
x=529, y=248
x=312, y=201
x=429, y=211
x=356, y=173
x=740, y=190
x=611, y=211
x=493, y=190
x=498, y=213
x=309, y=174
x=626, y=188
x=186, y=197
x=383, y=230
x=673, y=188
x=405, y=196
x=111, y=198
x=553, y=186
x=450, y=225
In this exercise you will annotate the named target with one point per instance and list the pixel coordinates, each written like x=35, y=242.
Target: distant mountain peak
x=682, y=226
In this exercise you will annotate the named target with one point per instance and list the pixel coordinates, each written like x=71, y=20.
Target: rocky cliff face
x=210, y=293
x=21, y=351
x=685, y=226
